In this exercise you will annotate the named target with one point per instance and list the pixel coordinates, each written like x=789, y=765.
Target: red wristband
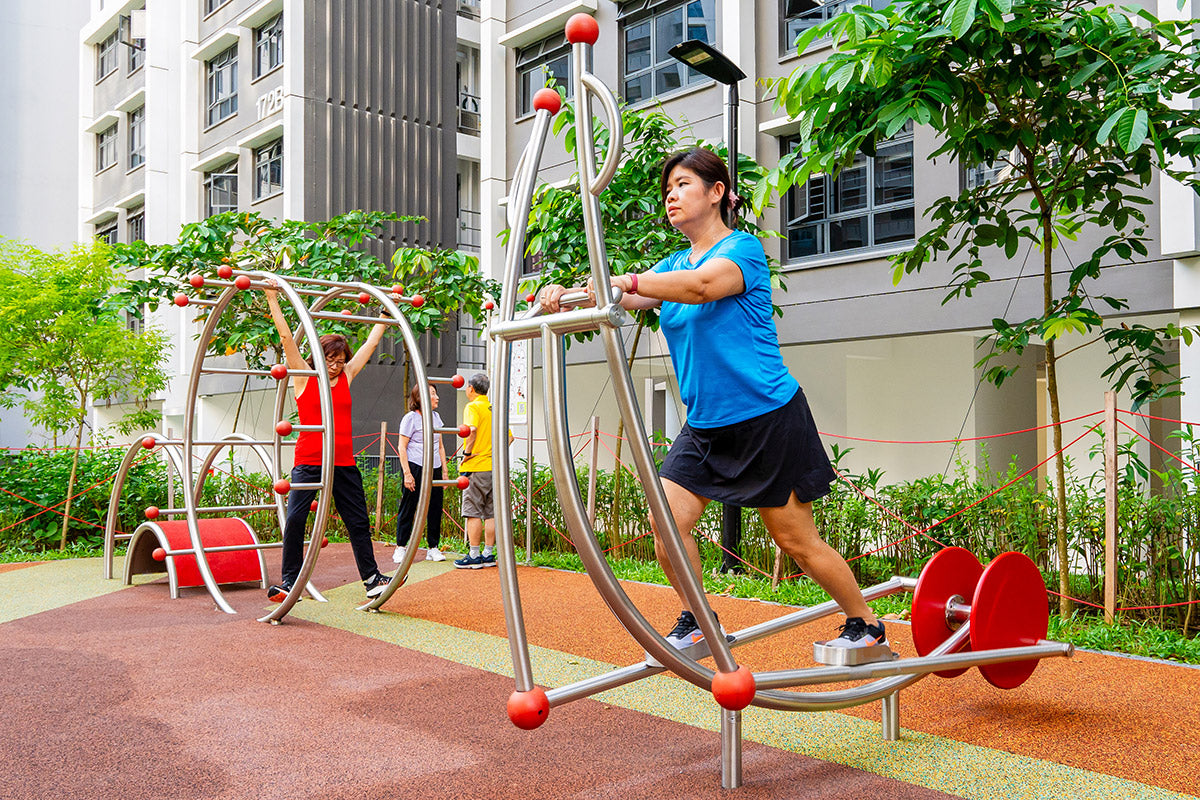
x=632, y=283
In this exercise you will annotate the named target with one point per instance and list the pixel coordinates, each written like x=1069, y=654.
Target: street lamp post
x=711, y=62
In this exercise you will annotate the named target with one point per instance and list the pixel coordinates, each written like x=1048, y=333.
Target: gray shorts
x=477, y=498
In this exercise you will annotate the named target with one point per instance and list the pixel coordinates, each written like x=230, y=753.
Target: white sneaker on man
x=398, y=555
x=433, y=554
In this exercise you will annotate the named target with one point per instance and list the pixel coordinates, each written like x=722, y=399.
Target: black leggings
x=408, y=509
x=351, y=504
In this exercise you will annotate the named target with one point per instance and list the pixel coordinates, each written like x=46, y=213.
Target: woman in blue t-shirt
x=750, y=439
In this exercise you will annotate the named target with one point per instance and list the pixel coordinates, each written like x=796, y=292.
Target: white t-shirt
x=410, y=426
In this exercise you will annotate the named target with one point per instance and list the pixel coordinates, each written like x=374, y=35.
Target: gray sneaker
x=857, y=633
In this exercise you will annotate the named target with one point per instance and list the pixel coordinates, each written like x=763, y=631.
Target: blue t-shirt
x=726, y=353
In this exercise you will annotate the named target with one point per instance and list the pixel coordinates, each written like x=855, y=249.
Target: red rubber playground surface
x=114, y=692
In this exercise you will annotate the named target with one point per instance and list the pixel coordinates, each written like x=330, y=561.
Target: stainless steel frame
x=886, y=678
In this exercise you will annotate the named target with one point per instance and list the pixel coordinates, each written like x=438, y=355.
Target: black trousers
x=351, y=504
x=408, y=509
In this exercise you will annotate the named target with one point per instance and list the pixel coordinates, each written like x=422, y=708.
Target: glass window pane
x=894, y=226
x=894, y=174
x=637, y=48
x=702, y=20
x=637, y=89
x=559, y=70
x=668, y=32
x=669, y=78
x=847, y=234
x=806, y=240
x=850, y=188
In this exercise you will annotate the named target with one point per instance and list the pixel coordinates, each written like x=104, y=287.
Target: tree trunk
x=614, y=527
x=62, y=544
x=1060, y=488
x=241, y=397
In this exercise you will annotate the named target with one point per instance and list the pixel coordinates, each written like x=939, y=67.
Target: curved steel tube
x=114, y=502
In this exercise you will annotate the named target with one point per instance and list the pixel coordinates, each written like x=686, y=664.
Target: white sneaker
x=433, y=554
x=398, y=555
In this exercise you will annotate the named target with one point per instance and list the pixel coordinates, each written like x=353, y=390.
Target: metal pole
x=592, y=472
x=529, y=455
x=890, y=717
x=170, y=473
x=731, y=749
x=1110, y=506
x=731, y=141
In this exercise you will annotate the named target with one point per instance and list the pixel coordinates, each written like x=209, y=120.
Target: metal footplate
x=851, y=656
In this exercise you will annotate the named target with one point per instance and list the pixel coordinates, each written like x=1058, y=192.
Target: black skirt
x=757, y=463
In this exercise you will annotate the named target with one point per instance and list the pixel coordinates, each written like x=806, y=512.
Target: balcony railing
x=468, y=113
x=468, y=230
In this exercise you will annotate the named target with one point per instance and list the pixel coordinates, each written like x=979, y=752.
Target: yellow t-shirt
x=478, y=414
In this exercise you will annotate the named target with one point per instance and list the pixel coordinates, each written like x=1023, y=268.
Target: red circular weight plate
x=953, y=571
x=1009, y=610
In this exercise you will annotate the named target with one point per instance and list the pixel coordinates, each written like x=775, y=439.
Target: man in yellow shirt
x=477, y=465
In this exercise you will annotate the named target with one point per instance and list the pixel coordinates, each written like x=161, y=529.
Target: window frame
x=213, y=68
x=263, y=162
x=106, y=142
x=791, y=220
x=650, y=13
x=817, y=16
x=535, y=58
x=136, y=126
x=107, y=51
x=274, y=41
x=135, y=224
x=107, y=233
x=222, y=171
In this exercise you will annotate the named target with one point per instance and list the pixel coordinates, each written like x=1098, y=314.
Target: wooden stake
x=379, y=481
x=1110, y=506
x=777, y=573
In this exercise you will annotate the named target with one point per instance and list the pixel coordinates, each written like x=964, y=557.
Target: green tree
x=1074, y=98
x=636, y=232
x=331, y=250
x=67, y=343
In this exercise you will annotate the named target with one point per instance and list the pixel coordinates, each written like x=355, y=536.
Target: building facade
x=878, y=361
x=295, y=109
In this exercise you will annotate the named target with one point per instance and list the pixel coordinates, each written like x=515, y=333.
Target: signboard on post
x=518, y=391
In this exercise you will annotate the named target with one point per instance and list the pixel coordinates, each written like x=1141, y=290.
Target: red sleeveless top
x=308, y=444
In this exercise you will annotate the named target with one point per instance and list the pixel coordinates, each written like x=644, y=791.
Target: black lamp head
x=707, y=60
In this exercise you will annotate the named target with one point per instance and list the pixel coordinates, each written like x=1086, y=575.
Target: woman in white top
x=412, y=446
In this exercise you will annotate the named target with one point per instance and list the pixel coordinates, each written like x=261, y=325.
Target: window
x=135, y=224
x=106, y=56
x=137, y=137
x=212, y=5
x=869, y=204
x=540, y=64
x=268, y=169
x=797, y=16
x=137, y=56
x=108, y=233
x=222, y=86
x=221, y=189
x=106, y=148
x=648, y=70
x=268, y=46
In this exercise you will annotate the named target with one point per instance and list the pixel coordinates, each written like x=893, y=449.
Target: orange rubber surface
x=1091, y=711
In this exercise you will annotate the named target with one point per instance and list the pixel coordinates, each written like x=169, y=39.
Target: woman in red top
x=348, y=495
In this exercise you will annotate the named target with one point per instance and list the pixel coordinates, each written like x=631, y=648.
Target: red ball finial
x=528, y=710
x=242, y=282
x=397, y=289
x=159, y=554
x=324, y=541
x=582, y=28
x=547, y=100
x=196, y=281
x=283, y=428
x=347, y=311
x=283, y=486
x=151, y=512
x=489, y=305
x=418, y=301
x=463, y=481
x=458, y=381
x=529, y=298
x=149, y=443
x=464, y=430
x=225, y=271
x=734, y=690
x=180, y=300
x=279, y=371
x=312, y=506
x=364, y=298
